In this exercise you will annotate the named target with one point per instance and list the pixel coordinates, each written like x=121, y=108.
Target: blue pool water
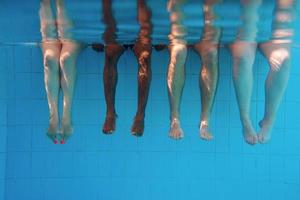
x=95, y=166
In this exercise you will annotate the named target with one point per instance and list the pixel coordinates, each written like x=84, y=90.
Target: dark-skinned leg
x=143, y=55
x=110, y=78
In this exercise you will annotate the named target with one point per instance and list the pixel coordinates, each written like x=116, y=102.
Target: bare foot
x=264, y=134
x=114, y=50
x=175, y=130
x=109, y=125
x=137, y=128
x=53, y=131
x=250, y=135
x=204, y=132
x=67, y=131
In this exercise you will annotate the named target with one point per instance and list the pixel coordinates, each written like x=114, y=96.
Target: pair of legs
x=278, y=56
x=59, y=59
x=60, y=73
x=207, y=49
x=208, y=79
x=110, y=77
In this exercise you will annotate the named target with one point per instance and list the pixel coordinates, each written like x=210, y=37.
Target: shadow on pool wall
x=120, y=166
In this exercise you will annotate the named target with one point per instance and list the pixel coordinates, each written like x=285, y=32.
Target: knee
x=51, y=60
x=144, y=72
x=178, y=54
x=243, y=51
x=143, y=58
x=113, y=51
x=279, y=59
x=242, y=66
x=65, y=59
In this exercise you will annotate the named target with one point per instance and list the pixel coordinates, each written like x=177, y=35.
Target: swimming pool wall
x=120, y=166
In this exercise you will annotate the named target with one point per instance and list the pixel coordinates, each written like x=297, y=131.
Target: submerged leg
x=143, y=54
x=176, y=78
x=208, y=83
x=243, y=58
x=51, y=51
x=278, y=56
x=110, y=78
x=68, y=58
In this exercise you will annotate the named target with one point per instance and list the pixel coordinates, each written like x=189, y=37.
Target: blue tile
x=2, y=189
x=94, y=62
x=3, y=138
x=3, y=87
x=277, y=142
x=130, y=64
x=56, y=185
x=81, y=86
x=291, y=117
x=18, y=165
x=125, y=164
x=23, y=85
x=37, y=191
x=189, y=113
x=19, y=138
x=39, y=112
x=224, y=91
x=18, y=189
x=86, y=111
x=277, y=191
x=264, y=191
x=236, y=167
x=37, y=86
x=158, y=88
x=23, y=63
x=86, y=164
x=2, y=165
x=38, y=165
x=249, y=168
x=94, y=86
x=37, y=64
x=23, y=112
x=222, y=167
x=291, y=141
x=263, y=168
x=291, y=169
x=207, y=165
x=226, y=190
x=64, y=164
x=276, y=168
x=157, y=165
x=221, y=136
x=292, y=191
x=3, y=112
x=81, y=62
